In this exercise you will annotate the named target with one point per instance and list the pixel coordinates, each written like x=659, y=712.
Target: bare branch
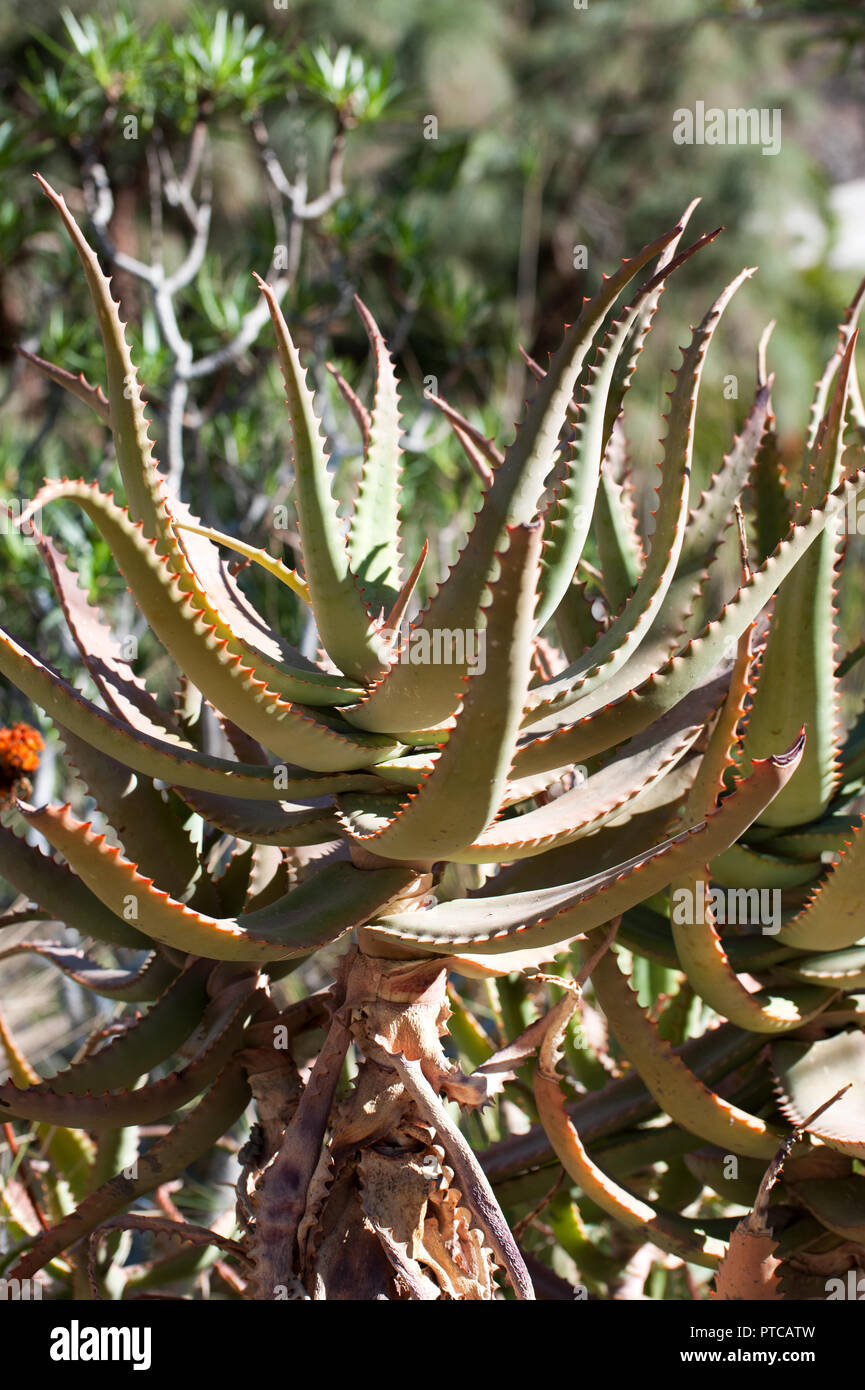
x=296, y=193
x=190, y=267
x=100, y=205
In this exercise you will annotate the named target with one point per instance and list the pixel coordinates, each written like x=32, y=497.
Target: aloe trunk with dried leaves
x=452, y=816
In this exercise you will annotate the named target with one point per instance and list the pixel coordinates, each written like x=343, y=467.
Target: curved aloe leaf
x=219, y=1109
x=373, y=538
x=124, y=693
x=206, y=655
x=664, y=1229
x=603, y=795
x=676, y=1090
x=740, y=866
x=569, y=513
x=839, y=969
x=832, y=918
x=174, y=763
x=62, y=894
x=798, y=681
x=321, y=909
x=707, y=524
x=145, y=821
x=627, y=362
x=400, y=702
x=128, y=986
x=707, y=967
x=808, y=1073
x=129, y=424
x=636, y=833
x=452, y=804
x=699, y=947
x=343, y=622
x=146, y=1104
x=624, y=635
x=143, y=484
x=617, y=712
x=625, y=1102
x=144, y=1042
x=265, y=822
x=539, y=918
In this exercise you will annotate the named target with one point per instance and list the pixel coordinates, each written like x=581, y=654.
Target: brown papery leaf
x=749, y=1270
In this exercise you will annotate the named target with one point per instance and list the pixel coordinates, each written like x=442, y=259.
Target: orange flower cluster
x=20, y=747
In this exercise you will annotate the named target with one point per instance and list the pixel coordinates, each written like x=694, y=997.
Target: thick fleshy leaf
x=809, y=1073
x=839, y=969
x=154, y=757
x=538, y=918
x=798, y=682
x=373, y=538
x=453, y=804
x=625, y=1101
x=568, y=515
x=665, y=1229
x=400, y=702
x=207, y=575
x=207, y=656
x=623, y=637
x=846, y=330
x=124, y=693
x=353, y=401
x=627, y=362
x=602, y=796
x=129, y=424
x=321, y=909
x=148, y=1103
x=775, y=1009
x=145, y=488
x=829, y=836
x=127, y=986
x=196, y=1134
x=833, y=916
x=706, y=527
x=149, y=825
x=643, y=824
x=267, y=822
x=62, y=894
x=144, y=485
x=699, y=947
x=617, y=712
x=144, y=1042
x=677, y=1091
x=743, y=867
x=340, y=613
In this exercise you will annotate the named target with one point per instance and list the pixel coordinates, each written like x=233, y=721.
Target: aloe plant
x=546, y=748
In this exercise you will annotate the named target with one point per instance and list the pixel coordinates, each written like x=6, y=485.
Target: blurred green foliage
x=469, y=170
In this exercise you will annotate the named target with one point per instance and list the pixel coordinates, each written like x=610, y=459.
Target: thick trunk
x=376, y=1195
